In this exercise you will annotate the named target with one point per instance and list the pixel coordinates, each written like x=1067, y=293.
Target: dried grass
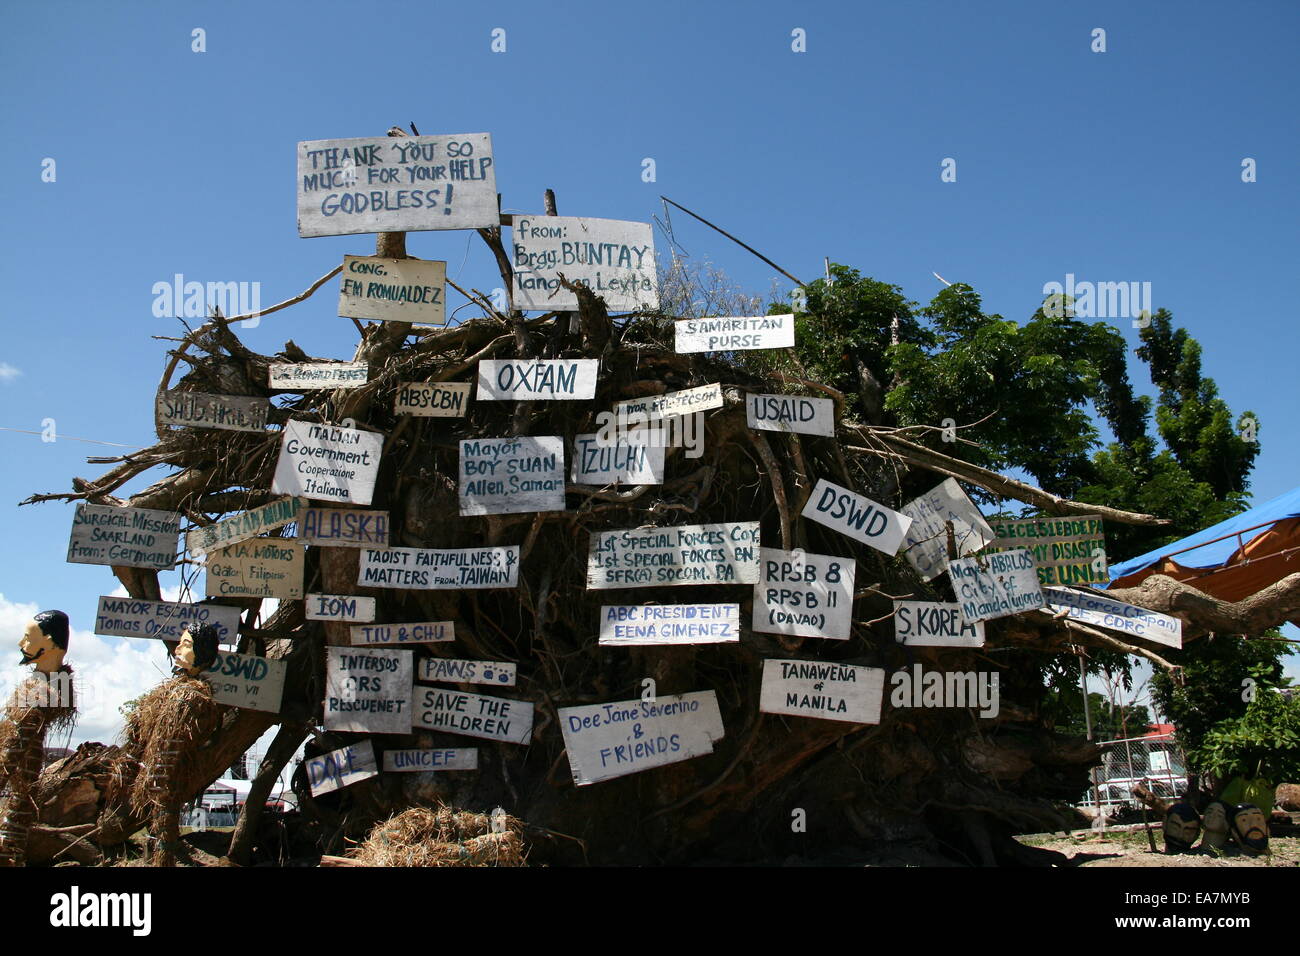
x=441, y=836
x=164, y=732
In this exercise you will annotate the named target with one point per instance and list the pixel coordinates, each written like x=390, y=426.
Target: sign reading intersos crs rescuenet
x=1116, y=616
x=433, y=569
x=328, y=462
x=341, y=768
x=791, y=413
x=934, y=624
x=344, y=528
x=262, y=567
x=242, y=680
x=418, y=632
x=734, y=333
x=473, y=715
x=125, y=537
x=241, y=527
x=611, y=740
x=368, y=690
x=165, y=620
x=531, y=379
x=1066, y=550
x=432, y=399
x=810, y=595
x=637, y=625
x=236, y=413
x=822, y=689
x=452, y=671
x=510, y=475
x=430, y=759
x=856, y=516
x=686, y=554
x=613, y=258
x=926, y=541
x=396, y=184
x=394, y=290
x=995, y=585
x=310, y=376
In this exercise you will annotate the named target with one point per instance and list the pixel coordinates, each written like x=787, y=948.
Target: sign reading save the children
x=393, y=290
x=328, y=462
x=1066, y=550
x=510, y=475
x=686, y=554
x=995, y=585
x=612, y=258
x=859, y=517
x=560, y=379
x=822, y=689
x=934, y=624
x=125, y=537
x=735, y=333
x=810, y=595
x=396, y=184
x=634, y=625
x=473, y=715
x=432, y=569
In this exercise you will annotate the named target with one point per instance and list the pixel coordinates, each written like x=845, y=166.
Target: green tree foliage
x=1262, y=742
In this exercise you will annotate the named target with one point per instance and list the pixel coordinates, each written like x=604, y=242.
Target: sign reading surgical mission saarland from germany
x=125, y=537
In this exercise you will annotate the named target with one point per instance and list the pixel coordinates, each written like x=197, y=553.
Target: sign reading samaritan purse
x=1066, y=550
x=685, y=554
x=612, y=258
x=328, y=462
x=995, y=585
x=734, y=333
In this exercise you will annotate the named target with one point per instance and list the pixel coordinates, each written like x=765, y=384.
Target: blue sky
x=1115, y=166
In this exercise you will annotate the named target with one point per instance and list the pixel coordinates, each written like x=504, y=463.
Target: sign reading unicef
x=859, y=517
x=933, y=624
x=236, y=413
x=367, y=689
x=686, y=554
x=341, y=768
x=1066, y=550
x=791, y=413
x=344, y=527
x=432, y=399
x=735, y=333
x=310, y=376
x=612, y=258
x=810, y=595
x=561, y=379
x=510, y=475
x=262, y=567
x=124, y=537
x=610, y=740
x=636, y=625
x=995, y=585
x=133, y=617
x=242, y=680
x=422, y=632
x=394, y=290
x=625, y=461
x=473, y=715
x=822, y=689
x=241, y=527
x=427, y=760
x=926, y=541
x=328, y=462
x=396, y=184
x=1116, y=616
x=431, y=569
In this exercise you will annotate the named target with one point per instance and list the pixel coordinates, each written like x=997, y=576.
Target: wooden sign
x=822, y=689
x=432, y=399
x=328, y=462
x=430, y=569
x=341, y=768
x=165, y=620
x=473, y=715
x=262, y=567
x=236, y=413
x=424, y=760
x=344, y=528
x=242, y=680
x=995, y=585
x=810, y=595
x=394, y=290
x=613, y=258
x=791, y=413
x=427, y=632
x=1093, y=608
x=1066, y=550
x=339, y=607
x=311, y=376
x=396, y=184
x=625, y=461
x=510, y=475
x=685, y=402
x=934, y=624
x=685, y=554
x=368, y=690
x=735, y=333
x=628, y=736
x=509, y=379
x=638, y=625
x=241, y=527
x=447, y=670
x=856, y=516
x=926, y=541
x=124, y=537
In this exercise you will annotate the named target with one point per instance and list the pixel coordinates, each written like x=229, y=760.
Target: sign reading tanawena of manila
x=1066, y=550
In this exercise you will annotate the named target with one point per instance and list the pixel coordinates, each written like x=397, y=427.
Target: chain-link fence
x=1156, y=762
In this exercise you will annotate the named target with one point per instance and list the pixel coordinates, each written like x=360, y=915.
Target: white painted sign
x=628, y=736
x=934, y=624
x=809, y=595
x=448, y=670
x=241, y=527
x=510, y=475
x=1115, y=615
x=261, y=567
x=613, y=258
x=685, y=402
x=344, y=528
x=432, y=399
x=396, y=184
x=242, y=680
x=368, y=690
x=124, y=537
x=431, y=569
x=427, y=760
x=996, y=585
x=857, y=516
x=394, y=290
x=510, y=379
x=926, y=541
x=310, y=376
x=341, y=768
x=340, y=607
x=236, y=413
x=421, y=632
x=735, y=333
x=328, y=462
x=1067, y=550
x=625, y=461
x=822, y=689
x=473, y=715
x=791, y=413
x=685, y=554
x=165, y=620
x=636, y=625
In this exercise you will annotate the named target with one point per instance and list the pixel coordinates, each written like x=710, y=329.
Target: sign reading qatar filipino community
x=636, y=625
x=262, y=567
x=926, y=540
x=791, y=413
x=473, y=715
x=610, y=740
x=735, y=333
x=810, y=595
x=236, y=413
x=822, y=689
x=341, y=768
x=241, y=527
x=559, y=379
x=432, y=399
x=859, y=517
x=328, y=462
x=1066, y=550
x=367, y=690
x=165, y=620
x=344, y=528
x=686, y=554
x=394, y=290
x=447, y=670
x=995, y=585
x=1117, y=616
x=626, y=461
x=431, y=569
x=419, y=632
x=242, y=680
x=124, y=537
x=428, y=759
x=510, y=475
x=396, y=184
x=934, y=624
x=318, y=375
x=613, y=258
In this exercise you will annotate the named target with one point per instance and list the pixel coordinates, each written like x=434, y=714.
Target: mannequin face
x=1216, y=825
x=183, y=657
x=1250, y=828
x=1182, y=827
x=39, y=649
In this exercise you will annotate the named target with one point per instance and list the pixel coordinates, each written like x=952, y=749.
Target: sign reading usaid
x=859, y=517
x=791, y=413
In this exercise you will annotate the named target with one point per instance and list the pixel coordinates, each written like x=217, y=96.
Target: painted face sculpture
x=1250, y=828
x=45, y=641
x=1216, y=825
x=197, y=650
x=1182, y=827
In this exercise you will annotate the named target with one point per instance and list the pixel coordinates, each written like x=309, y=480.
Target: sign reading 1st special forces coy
x=859, y=517
x=791, y=413
x=809, y=595
x=558, y=379
x=735, y=333
x=431, y=399
x=368, y=690
x=685, y=554
x=934, y=624
x=822, y=689
x=394, y=290
x=396, y=184
x=473, y=715
x=241, y=527
x=125, y=537
x=431, y=569
x=236, y=413
x=995, y=585
x=328, y=462
x=612, y=258
x=1066, y=550
x=926, y=541
x=510, y=475
x=134, y=617
x=262, y=567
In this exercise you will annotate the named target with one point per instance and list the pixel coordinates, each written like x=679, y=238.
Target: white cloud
x=8, y=373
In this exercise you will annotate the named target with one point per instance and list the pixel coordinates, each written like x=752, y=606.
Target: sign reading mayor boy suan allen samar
x=612, y=258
